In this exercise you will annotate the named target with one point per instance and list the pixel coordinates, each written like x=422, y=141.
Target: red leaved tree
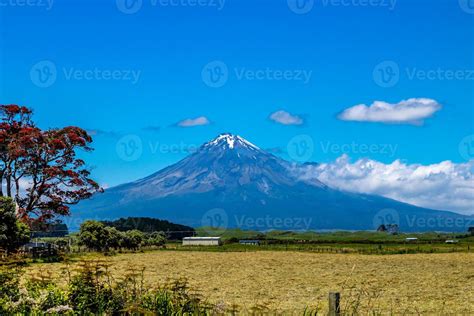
x=40, y=168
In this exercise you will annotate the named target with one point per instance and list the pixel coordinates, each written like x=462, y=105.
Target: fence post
x=334, y=304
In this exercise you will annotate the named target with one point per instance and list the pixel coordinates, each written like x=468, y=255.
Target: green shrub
x=175, y=298
x=92, y=291
x=13, y=233
x=133, y=239
x=156, y=239
x=94, y=236
x=10, y=283
x=9, y=288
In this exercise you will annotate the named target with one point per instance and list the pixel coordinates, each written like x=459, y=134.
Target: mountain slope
x=231, y=182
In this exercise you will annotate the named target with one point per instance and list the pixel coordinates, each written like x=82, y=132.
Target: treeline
x=49, y=229
x=150, y=225
x=96, y=236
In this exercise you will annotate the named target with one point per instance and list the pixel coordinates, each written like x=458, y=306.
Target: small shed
x=250, y=242
x=40, y=249
x=37, y=245
x=202, y=241
x=411, y=239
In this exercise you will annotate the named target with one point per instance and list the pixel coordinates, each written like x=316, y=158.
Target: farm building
x=250, y=242
x=452, y=241
x=202, y=241
x=40, y=249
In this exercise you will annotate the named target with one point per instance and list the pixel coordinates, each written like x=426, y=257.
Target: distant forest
x=54, y=229
x=149, y=225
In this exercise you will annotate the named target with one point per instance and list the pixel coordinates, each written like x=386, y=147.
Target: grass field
x=290, y=281
x=336, y=248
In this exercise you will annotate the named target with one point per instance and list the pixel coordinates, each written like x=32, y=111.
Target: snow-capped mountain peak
x=233, y=175
x=231, y=141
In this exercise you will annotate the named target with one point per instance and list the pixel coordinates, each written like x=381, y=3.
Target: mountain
x=230, y=182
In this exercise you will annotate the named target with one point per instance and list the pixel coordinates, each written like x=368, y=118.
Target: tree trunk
x=9, y=184
x=17, y=189
x=1, y=182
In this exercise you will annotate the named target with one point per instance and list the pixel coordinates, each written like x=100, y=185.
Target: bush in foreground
x=92, y=291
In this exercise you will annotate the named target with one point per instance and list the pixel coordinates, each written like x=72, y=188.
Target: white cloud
x=446, y=185
x=198, y=121
x=411, y=111
x=24, y=185
x=285, y=118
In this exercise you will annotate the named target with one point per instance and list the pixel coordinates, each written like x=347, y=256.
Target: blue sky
x=166, y=45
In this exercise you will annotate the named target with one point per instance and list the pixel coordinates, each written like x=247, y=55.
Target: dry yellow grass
x=289, y=281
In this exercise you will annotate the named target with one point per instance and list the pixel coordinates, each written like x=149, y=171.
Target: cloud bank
x=285, y=118
x=412, y=111
x=198, y=121
x=445, y=186
x=100, y=132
